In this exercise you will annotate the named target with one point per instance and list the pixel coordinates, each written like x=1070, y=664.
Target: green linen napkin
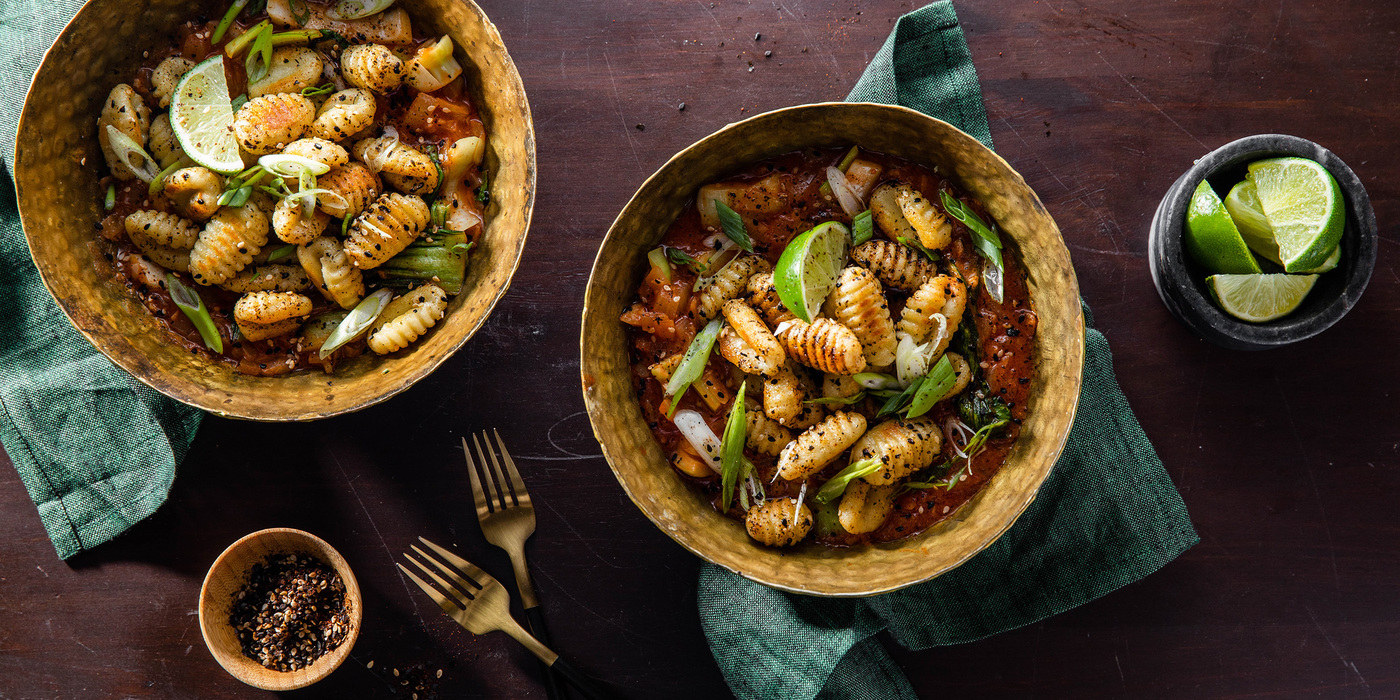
x=1107, y=516
x=95, y=448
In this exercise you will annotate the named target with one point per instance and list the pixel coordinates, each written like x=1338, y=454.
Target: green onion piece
x=359, y=320
x=658, y=260
x=849, y=158
x=936, y=385
x=345, y=226
x=259, y=60
x=110, y=200
x=897, y=402
x=355, y=9
x=288, y=165
x=876, y=380
x=438, y=212
x=832, y=489
x=282, y=252
x=733, y=225
x=732, y=447
x=693, y=363
x=326, y=89
x=483, y=191
x=836, y=400
x=227, y=21
x=430, y=150
x=238, y=102
x=297, y=36
x=862, y=228
x=680, y=257
x=969, y=218
x=299, y=11
x=125, y=148
x=192, y=305
x=306, y=182
x=442, y=261
x=236, y=45
x=916, y=245
x=235, y=198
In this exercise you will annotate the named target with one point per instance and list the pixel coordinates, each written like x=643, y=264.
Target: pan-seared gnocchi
x=894, y=396
x=321, y=130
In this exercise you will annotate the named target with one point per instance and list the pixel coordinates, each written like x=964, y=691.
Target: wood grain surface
x=1288, y=460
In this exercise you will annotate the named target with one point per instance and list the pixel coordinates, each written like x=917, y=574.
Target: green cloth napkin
x=1107, y=516
x=95, y=448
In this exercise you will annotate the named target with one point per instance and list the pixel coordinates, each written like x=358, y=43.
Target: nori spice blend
x=291, y=612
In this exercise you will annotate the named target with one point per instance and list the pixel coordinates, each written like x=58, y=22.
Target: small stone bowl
x=1181, y=282
x=230, y=573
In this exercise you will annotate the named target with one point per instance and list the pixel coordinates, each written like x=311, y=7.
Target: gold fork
x=481, y=604
x=508, y=519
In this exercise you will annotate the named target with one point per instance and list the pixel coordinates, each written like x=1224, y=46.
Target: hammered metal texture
x=634, y=454
x=57, y=161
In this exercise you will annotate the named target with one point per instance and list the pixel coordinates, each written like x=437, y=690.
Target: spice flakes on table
x=291, y=612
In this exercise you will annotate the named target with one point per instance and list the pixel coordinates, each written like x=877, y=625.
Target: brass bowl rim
x=411, y=378
x=1078, y=363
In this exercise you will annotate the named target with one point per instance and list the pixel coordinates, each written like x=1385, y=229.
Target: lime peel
x=201, y=115
x=808, y=268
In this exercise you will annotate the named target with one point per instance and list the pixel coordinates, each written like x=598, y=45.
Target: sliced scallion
x=836, y=486
x=189, y=302
x=237, y=103
x=259, y=60
x=326, y=89
x=288, y=165
x=680, y=257
x=916, y=245
x=658, y=261
x=111, y=200
x=733, y=226
x=984, y=237
x=936, y=385
x=862, y=228
x=693, y=362
x=227, y=21
x=732, y=450
x=897, y=402
x=876, y=380
x=236, y=45
x=282, y=252
x=158, y=183
x=359, y=320
x=125, y=148
x=298, y=36
x=836, y=400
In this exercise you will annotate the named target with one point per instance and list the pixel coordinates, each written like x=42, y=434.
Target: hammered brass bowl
x=57, y=163
x=679, y=511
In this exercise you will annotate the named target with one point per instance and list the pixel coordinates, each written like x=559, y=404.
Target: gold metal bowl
x=57, y=161
x=634, y=454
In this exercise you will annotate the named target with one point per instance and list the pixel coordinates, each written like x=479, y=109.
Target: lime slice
x=1327, y=265
x=1248, y=214
x=201, y=114
x=1211, y=236
x=1304, y=206
x=808, y=268
x=1259, y=298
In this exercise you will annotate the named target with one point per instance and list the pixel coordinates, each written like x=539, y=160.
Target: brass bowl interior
x=635, y=456
x=57, y=162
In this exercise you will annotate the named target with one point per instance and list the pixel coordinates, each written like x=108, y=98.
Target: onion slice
x=842, y=188
x=357, y=9
x=992, y=277
x=288, y=165
x=698, y=433
x=125, y=147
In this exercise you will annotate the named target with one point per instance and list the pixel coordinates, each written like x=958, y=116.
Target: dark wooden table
x=1288, y=460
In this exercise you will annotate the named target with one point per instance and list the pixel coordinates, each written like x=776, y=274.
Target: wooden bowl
x=679, y=511
x=229, y=574
x=57, y=162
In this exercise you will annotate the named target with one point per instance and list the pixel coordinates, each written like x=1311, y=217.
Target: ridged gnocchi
x=864, y=507
x=895, y=265
x=194, y=192
x=352, y=188
x=267, y=124
x=385, y=228
x=263, y=308
x=268, y=278
x=167, y=76
x=826, y=345
x=228, y=243
x=765, y=435
x=781, y=522
x=330, y=271
x=320, y=150
x=728, y=283
x=345, y=114
x=407, y=318
x=163, y=144
x=935, y=233
x=944, y=294
x=292, y=227
x=405, y=168
x=763, y=296
x=820, y=445
x=858, y=303
x=745, y=325
x=372, y=67
x=293, y=69
x=127, y=113
x=901, y=446
x=162, y=228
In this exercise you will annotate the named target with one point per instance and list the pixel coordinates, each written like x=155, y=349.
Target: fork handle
x=535, y=618
x=585, y=685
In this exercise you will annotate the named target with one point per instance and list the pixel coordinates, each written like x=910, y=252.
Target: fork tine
x=500, y=475
x=462, y=565
x=466, y=590
x=447, y=606
x=494, y=492
x=521, y=495
x=468, y=586
x=480, y=496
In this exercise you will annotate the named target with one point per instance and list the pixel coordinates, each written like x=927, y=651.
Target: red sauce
x=1005, y=332
x=423, y=120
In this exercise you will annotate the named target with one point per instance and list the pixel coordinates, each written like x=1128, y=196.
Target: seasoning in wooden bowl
x=291, y=612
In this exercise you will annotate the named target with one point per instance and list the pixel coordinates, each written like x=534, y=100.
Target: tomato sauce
x=427, y=121
x=1005, y=333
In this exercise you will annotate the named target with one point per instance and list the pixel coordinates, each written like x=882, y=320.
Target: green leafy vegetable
x=236, y=45
x=111, y=200
x=837, y=485
x=259, y=60
x=483, y=191
x=227, y=21
x=984, y=237
x=899, y=401
x=733, y=226
x=440, y=258
x=977, y=409
x=693, y=362
x=680, y=257
x=359, y=320
x=732, y=448
x=916, y=245
x=862, y=228
x=192, y=305
x=937, y=383
x=658, y=260
x=282, y=252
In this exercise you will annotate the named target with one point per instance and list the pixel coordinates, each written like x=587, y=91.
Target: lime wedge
x=1211, y=236
x=1248, y=214
x=808, y=268
x=1259, y=298
x=1327, y=265
x=201, y=114
x=1304, y=207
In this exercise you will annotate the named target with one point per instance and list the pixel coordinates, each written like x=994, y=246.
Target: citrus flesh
x=1211, y=237
x=1304, y=208
x=809, y=266
x=1243, y=205
x=201, y=115
x=1260, y=298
